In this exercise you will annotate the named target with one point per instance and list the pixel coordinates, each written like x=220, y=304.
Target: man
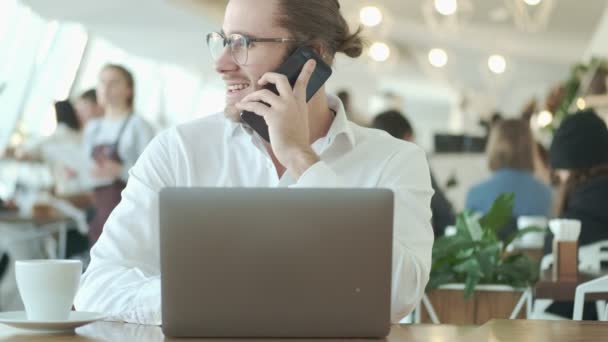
x=313, y=145
x=397, y=125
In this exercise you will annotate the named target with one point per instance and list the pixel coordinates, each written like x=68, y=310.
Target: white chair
x=593, y=286
x=590, y=260
x=590, y=257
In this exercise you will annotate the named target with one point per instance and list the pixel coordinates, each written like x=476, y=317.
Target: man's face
x=254, y=19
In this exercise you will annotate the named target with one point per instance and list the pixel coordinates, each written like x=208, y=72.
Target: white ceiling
x=173, y=31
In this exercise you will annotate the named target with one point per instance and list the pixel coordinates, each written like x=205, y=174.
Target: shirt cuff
x=149, y=303
x=320, y=175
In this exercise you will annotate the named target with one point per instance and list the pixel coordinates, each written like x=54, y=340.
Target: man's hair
x=511, y=146
x=394, y=123
x=65, y=114
x=343, y=95
x=89, y=95
x=128, y=76
x=320, y=22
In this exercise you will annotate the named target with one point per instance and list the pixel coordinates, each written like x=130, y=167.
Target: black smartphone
x=292, y=67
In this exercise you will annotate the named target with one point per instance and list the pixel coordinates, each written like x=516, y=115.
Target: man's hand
x=107, y=169
x=286, y=115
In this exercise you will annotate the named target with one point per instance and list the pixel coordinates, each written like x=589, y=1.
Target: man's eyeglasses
x=238, y=43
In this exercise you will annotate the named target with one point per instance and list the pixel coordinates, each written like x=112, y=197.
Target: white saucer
x=18, y=319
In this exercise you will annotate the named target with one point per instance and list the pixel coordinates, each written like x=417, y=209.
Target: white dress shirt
x=123, y=278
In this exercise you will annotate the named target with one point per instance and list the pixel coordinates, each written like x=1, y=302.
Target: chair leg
x=579, y=302
x=520, y=304
x=600, y=306
x=429, y=308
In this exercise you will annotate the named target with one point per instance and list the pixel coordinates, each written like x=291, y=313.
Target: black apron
x=106, y=197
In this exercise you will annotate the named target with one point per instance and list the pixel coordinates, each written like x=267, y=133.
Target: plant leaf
x=474, y=228
x=475, y=254
x=488, y=259
x=469, y=286
x=499, y=215
x=523, y=232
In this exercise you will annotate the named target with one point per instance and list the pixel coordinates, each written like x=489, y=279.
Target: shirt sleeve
x=123, y=278
x=407, y=174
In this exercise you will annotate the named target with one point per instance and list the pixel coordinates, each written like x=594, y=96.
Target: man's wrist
x=302, y=161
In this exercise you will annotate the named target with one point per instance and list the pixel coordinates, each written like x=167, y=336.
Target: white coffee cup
x=565, y=229
x=532, y=240
x=48, y=287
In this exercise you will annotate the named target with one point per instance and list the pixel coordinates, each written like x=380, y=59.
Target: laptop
x=276, y=263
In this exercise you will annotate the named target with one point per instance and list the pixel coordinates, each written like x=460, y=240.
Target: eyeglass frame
x=248, y=42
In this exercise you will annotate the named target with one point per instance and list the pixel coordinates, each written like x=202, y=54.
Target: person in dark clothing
x=396, y=124
x=579, y=156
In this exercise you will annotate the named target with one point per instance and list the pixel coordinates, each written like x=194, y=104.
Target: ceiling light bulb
x=446, y=7
x=497, y=64
x=379, y=52
x=370, y=16
x=438, y=58
x=532, y=2
x=581, y=104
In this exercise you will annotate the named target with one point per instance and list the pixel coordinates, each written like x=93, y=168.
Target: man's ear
x=408, y=137
x=321, y=50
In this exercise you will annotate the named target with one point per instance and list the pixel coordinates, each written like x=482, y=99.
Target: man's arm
x=123, y=278
x=407, y=174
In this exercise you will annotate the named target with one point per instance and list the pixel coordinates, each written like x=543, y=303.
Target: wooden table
x=541, y=331
x=105, y=331
x=48, y=225
x=546, y=288
x=493, y=331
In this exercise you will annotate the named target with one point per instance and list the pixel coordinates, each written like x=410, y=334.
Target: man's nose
x=225, y=62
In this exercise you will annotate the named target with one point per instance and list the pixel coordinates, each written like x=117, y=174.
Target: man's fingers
x=263, y=95
x=280, y=81
x=302, y=82
x=254, y=107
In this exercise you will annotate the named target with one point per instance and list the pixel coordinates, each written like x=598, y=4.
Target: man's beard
x=232, y=113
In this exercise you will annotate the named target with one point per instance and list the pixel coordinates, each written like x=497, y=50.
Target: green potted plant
x=476, y=257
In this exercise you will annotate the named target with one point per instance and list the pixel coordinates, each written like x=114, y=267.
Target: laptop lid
x=298, y=263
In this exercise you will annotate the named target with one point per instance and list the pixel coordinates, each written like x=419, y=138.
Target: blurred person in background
x=579, y=157
x=397, y=125
x=354, y=116
x=55, y=149
x=87, y=107
x=68, y=131
x=114, y=142
x=511, y=151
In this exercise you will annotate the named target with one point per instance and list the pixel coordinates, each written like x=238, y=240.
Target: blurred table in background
x=547, y=288
x=46, y=226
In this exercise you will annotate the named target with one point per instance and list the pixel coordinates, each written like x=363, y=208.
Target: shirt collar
x=232, y=128
x=339, y=127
